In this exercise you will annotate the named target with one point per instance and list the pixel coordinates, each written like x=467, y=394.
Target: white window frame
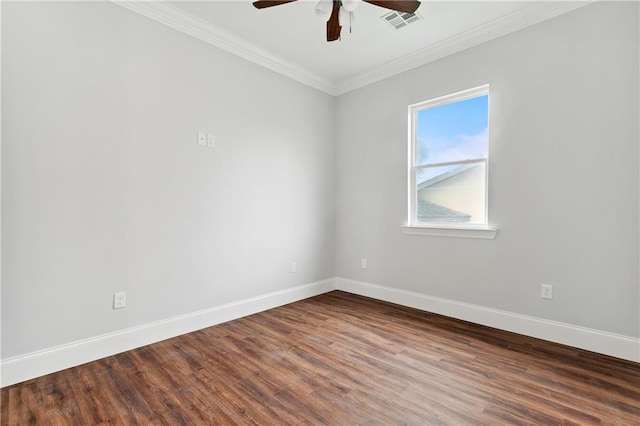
x=414, y=227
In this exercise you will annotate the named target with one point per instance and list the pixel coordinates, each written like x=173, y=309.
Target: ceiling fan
x=337, y=11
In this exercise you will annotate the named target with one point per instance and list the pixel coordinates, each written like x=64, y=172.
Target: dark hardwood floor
x=337, y=359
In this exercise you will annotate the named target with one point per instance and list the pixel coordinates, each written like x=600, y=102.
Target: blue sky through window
x=453, y=132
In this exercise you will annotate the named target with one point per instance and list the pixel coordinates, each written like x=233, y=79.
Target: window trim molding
x=414, y=227
x=480, y=232
x=463, y=95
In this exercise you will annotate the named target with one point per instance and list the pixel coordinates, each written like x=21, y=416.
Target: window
x=449, y=147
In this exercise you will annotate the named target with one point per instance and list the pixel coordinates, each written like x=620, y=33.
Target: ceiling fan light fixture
x=345, y=17
x=338, y=13
x=350, y=5
x=323, y=9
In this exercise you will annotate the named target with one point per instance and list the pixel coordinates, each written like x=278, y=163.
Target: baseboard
x=603, y=342
x=35, y=364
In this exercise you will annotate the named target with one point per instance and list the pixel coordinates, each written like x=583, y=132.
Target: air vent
x=400, y=19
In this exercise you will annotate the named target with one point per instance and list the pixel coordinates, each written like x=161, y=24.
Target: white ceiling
x=290, y=38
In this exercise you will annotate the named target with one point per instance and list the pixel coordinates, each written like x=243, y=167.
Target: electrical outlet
x=294, y=267
x=119, y=300
x=546, y=291
x=363, y=263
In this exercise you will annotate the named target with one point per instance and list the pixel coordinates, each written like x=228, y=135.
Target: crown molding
x=504, y=25
x=189, y=24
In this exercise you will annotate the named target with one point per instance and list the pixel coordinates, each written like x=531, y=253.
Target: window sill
x=482, y=233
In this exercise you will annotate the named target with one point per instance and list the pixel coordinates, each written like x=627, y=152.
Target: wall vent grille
x=400, y=19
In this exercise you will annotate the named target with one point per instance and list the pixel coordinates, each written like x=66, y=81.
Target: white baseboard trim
x=24, y=367
x=603, y=342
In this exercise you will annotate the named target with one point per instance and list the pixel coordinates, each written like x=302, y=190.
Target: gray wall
x=563, y=175
x=105, y=188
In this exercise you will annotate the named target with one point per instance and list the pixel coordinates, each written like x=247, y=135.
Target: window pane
x=454, y=193
x=452, y=132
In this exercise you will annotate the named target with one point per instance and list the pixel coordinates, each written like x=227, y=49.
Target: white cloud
x=462, y=147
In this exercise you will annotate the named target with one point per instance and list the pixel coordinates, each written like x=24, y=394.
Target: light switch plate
x=202, y=138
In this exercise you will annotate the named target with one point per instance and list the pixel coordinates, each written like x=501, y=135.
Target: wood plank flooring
x=337, y=359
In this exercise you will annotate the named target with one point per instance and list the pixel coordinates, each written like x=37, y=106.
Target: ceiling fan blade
x=261, y=4
x=407, y=6
x=333, y=24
